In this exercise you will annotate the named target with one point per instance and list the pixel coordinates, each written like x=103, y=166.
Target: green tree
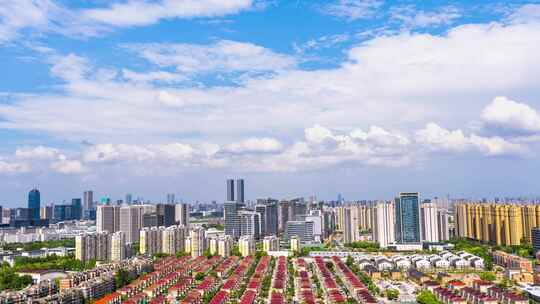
x=392, y=294
x=488, y=276
x=426, y=297
x=121, y=278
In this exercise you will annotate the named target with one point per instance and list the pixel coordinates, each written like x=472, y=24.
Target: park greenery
x=38, y=245
x=426, y=297
x=52, y=262
x=476, y=248
x=10, y=280
x=392, y=294
x=365, y=246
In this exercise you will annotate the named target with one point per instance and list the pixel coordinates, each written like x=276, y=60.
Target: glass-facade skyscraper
x=230, y=190
x=407, y=209
x=34, y=203
x=240, y=191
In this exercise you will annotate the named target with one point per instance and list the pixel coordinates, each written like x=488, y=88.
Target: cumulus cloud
x=255, y=145
x=39, y=152
x=525, y=13
x=222, y=56
x=20, y=14
x=67, y=166
x=436, y=138
x=511, y=115
x=13, y=167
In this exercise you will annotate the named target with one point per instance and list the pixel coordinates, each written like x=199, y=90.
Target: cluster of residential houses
x=443, y=260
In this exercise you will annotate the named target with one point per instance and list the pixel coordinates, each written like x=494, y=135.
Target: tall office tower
x=118, y=246
x=350, y=225
x=301, y=229
x=429, y=222
x=383, y=224
x=131, y=222
x=150, y=241
x=535, y=235
x=261, y=209
x=297, y=207
x=166, y=214
x=230, y=216
x=129, y=198
x=225, y=244
x=407, y=218
x=230, y=190
x=246, y=245
x=197, y=242
x=108, y=218
x=88, y=203
x=181, y=214
x=240, y=191
x=46, y=213
x=34, y=202
x=443, y=229
x=76, y=209
x=250, y=224
x=170, y=198
x=271, y=217
x=283, y=215
x=270, y=243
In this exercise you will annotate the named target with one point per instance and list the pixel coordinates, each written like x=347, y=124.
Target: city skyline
x=360, y=97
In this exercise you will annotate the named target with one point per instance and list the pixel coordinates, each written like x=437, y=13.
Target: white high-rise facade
x=108, y=218
x=442, y=218
x=118, y=246
x=429, y=222
x=197, y=242
x=350, y=224
x=383, y=223
x=181, y=214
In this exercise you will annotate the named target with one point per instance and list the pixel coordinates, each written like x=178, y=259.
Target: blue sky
x=361, y=97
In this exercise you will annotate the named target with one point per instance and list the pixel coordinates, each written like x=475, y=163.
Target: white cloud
x=352, y=9
x=16, y=15
x=411, y=18
x=222, y=56
x=67, y=166
x=526, y=13
x=436, y=138
x=161, y=76
x=255, y=145
x=13, y=167
x=137, y=13
x=39, y=152
x=511, y=115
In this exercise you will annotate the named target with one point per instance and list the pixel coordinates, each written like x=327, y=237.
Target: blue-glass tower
x=34, y=203
x=407, y=218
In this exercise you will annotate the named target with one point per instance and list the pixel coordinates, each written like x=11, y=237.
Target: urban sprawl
x=406, y=250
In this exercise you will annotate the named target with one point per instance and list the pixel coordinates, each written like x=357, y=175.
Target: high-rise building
x=271, y=217
x=232, y=221
x=443, y=230
x=349, y=224
x=429, y=222
x=181, y=214
x=407, y=218
x=46, y=212
x=261, y=209
x=240, y=191
x=283, y=215
x=166, y=214
x=198, y=242
x=246, y=245
x=535, y=234
x=301, y=229
x=173, y=239
x=108, y=218
x=118, y=246
x=129, y=198
x=170, y=198
x=131, y=218
x=270, y=243
x=250, y=224
x=150, y=241
x=88, y=203
x=383, y=224
x=317, y=225
x=76, y=209
x=93, y=246
x=225, y=244
x=295, y=243
x=34, y=203
x=230, y=190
